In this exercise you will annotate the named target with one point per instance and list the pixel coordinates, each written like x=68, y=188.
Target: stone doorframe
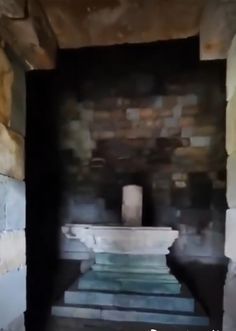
x=37, y=51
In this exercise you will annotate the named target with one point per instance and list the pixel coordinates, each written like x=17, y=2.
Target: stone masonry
x=229, y=322
x=12, y=195
x=173, y=141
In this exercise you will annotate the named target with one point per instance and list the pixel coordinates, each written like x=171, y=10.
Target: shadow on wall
x=43, y=196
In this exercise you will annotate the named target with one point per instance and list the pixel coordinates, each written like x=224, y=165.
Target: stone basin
x=122, y=239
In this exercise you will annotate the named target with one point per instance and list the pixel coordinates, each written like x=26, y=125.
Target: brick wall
x=159, y=128
x=170, y=137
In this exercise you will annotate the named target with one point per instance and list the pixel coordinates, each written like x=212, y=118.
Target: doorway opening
x=150, y=115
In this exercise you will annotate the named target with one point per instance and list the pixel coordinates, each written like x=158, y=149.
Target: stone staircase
x=126, y=288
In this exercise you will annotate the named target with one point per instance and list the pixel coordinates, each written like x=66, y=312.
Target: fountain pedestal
x=130, y=280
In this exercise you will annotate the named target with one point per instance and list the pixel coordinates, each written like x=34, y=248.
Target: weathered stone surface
x=74, y=297
x=127, y=282
x=205, y=247
x=6, y=81
x=191, y=156
x=87, y=23
x=12, y=93
x=231, y=180
x=231, y=70
x=129, y=316
x=217, y=29
x=231, y=125
x=229, y=320
x=17, y=325
x=200, y=141
x=12, y=204
x=11, y=153
x=130, y=240
x=13, y=296
x=230, y=233
x=18, y=111
x=12, y=250
x=131, y=260
x=13, y=8
x=31, y=38
x=132, y=205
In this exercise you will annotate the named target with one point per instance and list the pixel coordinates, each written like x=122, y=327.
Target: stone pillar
x=229, y=320
x=12, y=194
x=132, y=205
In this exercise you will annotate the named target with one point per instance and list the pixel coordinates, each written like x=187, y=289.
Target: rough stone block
x=231, y=181
x=182, y=176
x=230, y=70
x=190, y=110
x=189, y=100
x=11, y=153
x=187, y=121
x=17, y=325
x=169, y=101
x=12, y=250
x=13, y=94
x=215, y=38
x=103, y=115
x=230, y=234
x=163, y=112
x=177, y=111
x=171, y=122
x=103, y=135
x=146, y=113
x=187, y=132
x=204, y=130
x=231, y=125
x=12, y=296
x=12, y=204
x=200, y=141
x=139, y=132
x=6, y=74
x=196, y=153
x=18, y=113
x=132, y=114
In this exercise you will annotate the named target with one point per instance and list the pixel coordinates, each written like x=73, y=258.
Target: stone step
x=134, y=301
x=131, y=260
x=126, y=276
x=128, y=316
x=132, y=283
x=77, y=324
x=131, y=269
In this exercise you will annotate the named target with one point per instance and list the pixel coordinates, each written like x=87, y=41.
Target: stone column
x=12, y=194
x=132, y=205
x=229, y=320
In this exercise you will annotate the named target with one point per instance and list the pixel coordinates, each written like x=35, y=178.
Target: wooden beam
x=32, y=38
x=13, y=8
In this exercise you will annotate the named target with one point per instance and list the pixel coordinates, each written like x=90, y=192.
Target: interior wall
x=149, y=115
